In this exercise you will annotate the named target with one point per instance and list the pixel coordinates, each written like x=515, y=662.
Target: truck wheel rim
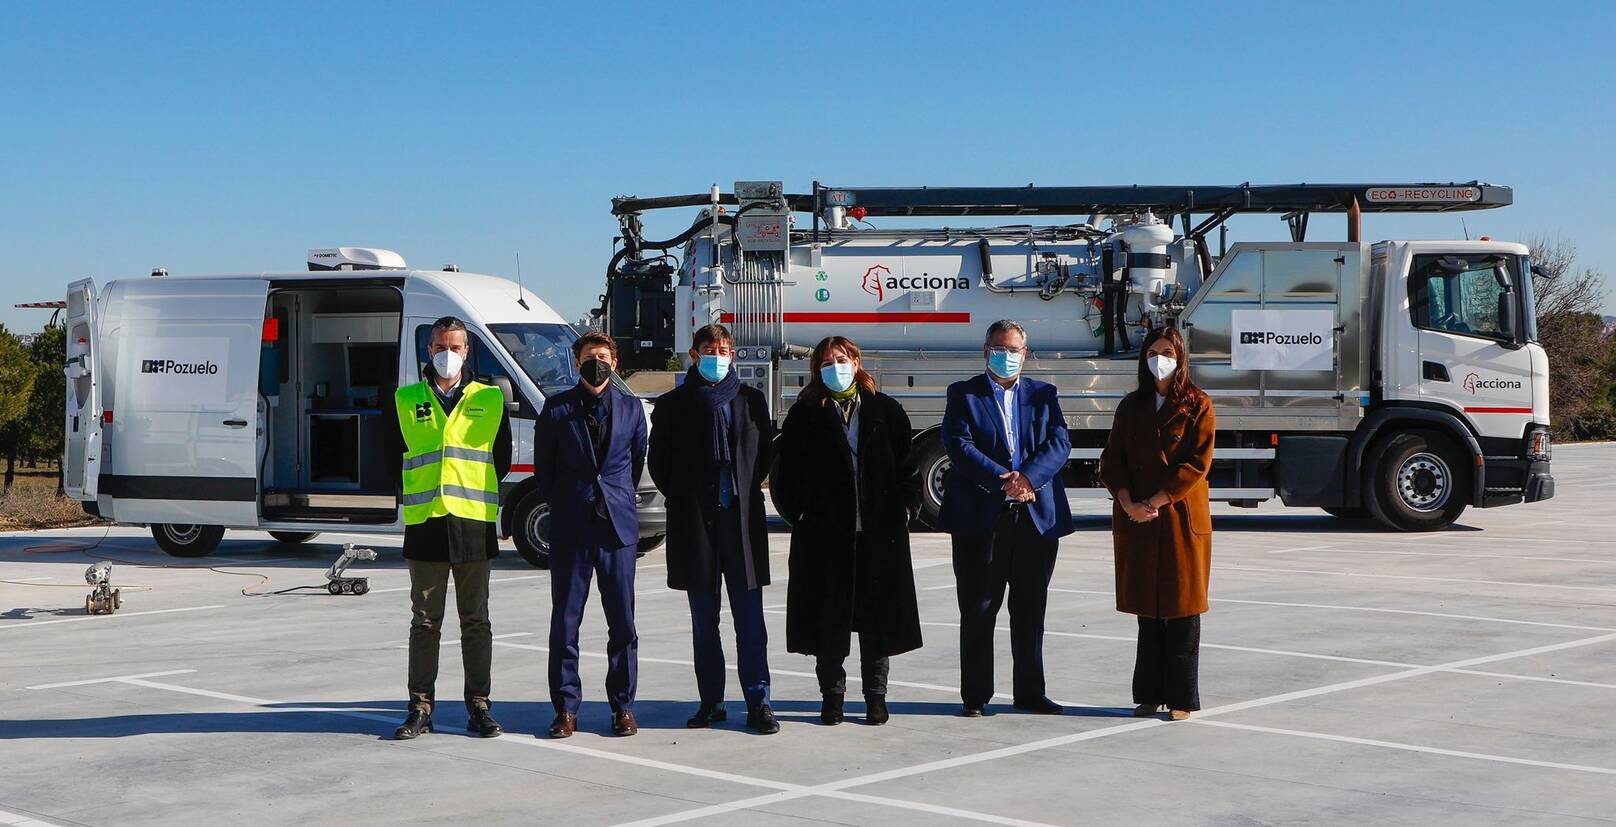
x=182, y=534
x=1424, y=482
x=538, y=528
x=934, y=478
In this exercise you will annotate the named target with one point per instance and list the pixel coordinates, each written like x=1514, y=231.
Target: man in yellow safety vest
x=456, y=447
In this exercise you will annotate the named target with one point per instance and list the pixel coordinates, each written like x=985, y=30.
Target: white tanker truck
x=1398, y=380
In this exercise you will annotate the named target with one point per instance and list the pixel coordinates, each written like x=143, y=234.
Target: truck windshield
x=542, y=351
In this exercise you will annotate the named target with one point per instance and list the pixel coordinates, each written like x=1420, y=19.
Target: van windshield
x=543, y=351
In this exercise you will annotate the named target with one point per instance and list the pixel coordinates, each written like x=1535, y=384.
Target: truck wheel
x=531, y=530
x=934, y=465
x=187, y=540
x=1346, y=513
x=294, y=537
x=1420, y=482
x=650, y=544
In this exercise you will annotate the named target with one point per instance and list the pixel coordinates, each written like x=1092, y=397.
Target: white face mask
x=1162, y=366
x=447, y=363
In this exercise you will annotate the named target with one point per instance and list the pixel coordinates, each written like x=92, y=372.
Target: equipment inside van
x=265, y=400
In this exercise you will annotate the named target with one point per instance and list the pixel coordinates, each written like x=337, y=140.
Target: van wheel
x=187, y=540
x=1420, y=482
x=934, y=465
x=294, y=537
x=531, y=530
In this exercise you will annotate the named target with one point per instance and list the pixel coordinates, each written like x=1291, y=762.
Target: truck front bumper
x=1511, y=480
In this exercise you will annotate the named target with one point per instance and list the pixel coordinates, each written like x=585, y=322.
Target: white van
x=265, y=401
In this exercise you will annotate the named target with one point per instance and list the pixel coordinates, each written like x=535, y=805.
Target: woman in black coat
x=848, y=483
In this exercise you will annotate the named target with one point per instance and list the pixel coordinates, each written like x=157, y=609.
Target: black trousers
x=1167, y=668
x=1013, y=556
x=873, y=670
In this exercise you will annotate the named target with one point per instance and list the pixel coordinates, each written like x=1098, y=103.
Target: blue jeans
x=746, y=610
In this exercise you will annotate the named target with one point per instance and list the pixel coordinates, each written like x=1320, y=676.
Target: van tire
x=294, y=537
x=1418, y=481
x=934, y=465
x=187, y=540
x=649, y=544
x=530, y=529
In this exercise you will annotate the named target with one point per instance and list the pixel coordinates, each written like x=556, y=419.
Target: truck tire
x=934, y=465
x=650, y=544
x=531, y=529
x=1420, y=482
x=294, y=537
x=1346, y=513
x=187, y=540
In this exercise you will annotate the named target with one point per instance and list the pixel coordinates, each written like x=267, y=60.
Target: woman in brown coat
x=1155, y=465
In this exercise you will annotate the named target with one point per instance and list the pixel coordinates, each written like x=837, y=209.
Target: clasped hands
x=1146, y=510
x=1017, y=488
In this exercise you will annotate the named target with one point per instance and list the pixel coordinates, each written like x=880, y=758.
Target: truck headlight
x=1539, y=446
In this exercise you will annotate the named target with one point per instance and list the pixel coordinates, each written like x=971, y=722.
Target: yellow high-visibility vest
x=449, y=458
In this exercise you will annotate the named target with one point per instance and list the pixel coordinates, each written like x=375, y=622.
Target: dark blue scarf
x=716, y=397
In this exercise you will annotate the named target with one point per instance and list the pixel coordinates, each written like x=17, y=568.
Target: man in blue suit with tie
x=589, y=449
x=1004, y=504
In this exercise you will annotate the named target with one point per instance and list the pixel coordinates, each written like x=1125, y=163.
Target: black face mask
x=595, y=372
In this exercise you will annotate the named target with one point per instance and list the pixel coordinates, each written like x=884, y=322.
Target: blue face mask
x=838, y=376
x=1005, y=365
x=713, y=368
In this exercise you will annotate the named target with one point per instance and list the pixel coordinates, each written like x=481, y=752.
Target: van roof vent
x=355, y=258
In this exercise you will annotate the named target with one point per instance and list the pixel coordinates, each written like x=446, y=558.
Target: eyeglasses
x=1000, y=351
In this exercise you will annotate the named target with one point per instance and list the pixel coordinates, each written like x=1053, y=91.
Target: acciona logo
x=1474, y=381
x=1269, y=337
x=880, y=278
x=171, y=367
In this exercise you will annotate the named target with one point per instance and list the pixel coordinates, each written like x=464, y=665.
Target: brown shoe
x=1146, y=710
x=1179, y=714
x=564, y=725
x=623, y=723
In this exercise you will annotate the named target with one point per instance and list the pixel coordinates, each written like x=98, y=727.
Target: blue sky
x=214, y=137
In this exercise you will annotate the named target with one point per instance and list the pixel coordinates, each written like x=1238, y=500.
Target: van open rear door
x=81, y=466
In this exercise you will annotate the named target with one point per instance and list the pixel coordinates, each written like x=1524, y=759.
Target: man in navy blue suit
x=1005, y=506
x=589, y=450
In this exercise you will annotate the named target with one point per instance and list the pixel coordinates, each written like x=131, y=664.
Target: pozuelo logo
x=1269, y=337
x=1473, y=381
x=169, y=366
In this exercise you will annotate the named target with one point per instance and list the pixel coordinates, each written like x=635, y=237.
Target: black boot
x=418, y=722
x=830, y=709
x=483, y=724
x=762, y=720
x=875, y=710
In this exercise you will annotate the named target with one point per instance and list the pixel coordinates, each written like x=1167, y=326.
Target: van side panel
x=182, y=445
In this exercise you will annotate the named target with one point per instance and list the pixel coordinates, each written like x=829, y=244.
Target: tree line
x=33, y=398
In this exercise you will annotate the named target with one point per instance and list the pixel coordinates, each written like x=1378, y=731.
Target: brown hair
x=816, y=391
x=593, y=338
x=1180, y=387
x=712, y=333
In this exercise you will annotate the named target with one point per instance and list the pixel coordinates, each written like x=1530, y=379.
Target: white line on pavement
x=456, y=641
x=12, y=627
x=15, y=820
x=622, y=758
x=65, y=684
x=1063, y=740
x=1347, y=739
x=1372, y=609
x=1418, y=577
